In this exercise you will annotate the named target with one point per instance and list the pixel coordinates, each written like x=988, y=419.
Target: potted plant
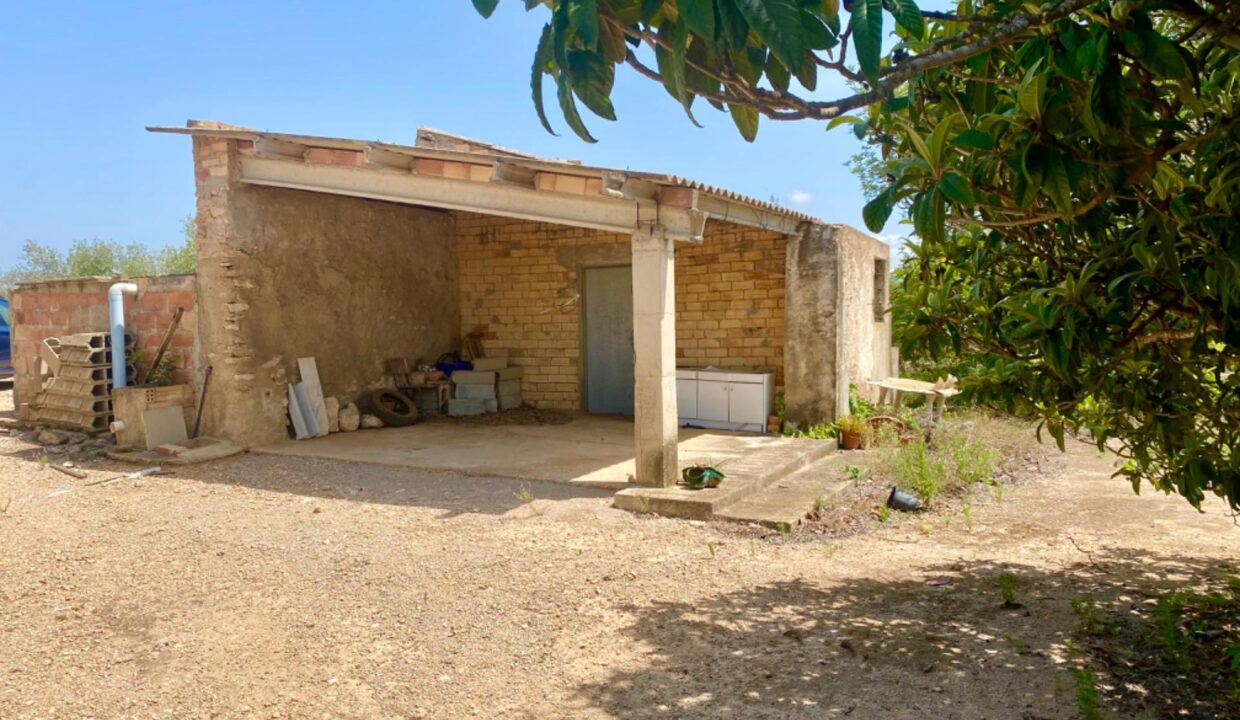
x=852, y=432
x=702, y=475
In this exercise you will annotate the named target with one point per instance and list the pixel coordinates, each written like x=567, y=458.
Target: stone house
x=354, y=251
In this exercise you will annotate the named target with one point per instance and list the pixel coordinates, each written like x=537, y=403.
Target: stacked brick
x=520, y=280
x=55, y=308
x=78, y=396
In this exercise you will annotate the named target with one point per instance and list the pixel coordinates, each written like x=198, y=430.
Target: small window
x=880, y=290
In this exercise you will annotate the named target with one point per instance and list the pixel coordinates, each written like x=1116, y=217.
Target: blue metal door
x=608, y=307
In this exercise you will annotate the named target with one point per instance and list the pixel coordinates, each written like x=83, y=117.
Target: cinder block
x=475, y=392
x=492, y=405
x=458, y=407
x=509, y=402
x=508, y=387
x=510, y=373
x=473, y=377
x=490, y=363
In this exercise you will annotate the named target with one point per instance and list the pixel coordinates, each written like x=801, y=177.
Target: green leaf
x=583, y=19
x=778, y=24
x=955, y=188
x=699, y=15
x=1108, y=98
x=611, y=42
x=908, y=16
x=542, y=58
x=867, y=34
x=1033, y=91
x=565, y=95
x=877, y=211
x=974, y=138
x=592, y=77
x=485, y=7
x=777, y=73
x=671, y=64
x=733, y=30
x=650, y=8
x=1055, y=182
x=746, y=119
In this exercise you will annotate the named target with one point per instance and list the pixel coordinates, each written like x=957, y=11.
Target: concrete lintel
x=654, y=371
x=744, y=214
x=589, y=211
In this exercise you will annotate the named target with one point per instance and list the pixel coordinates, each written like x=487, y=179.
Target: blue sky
x=81, y=80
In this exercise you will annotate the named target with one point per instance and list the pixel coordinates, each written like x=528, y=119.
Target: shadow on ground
x=450, y=492
x=943, y=646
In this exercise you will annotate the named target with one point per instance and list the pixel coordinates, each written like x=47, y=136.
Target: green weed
x=711, y=547
x=1007, y=588
x=884, y=514
x=914, y=469
x=525, y=494
x=967, y=512
x=1086, y=694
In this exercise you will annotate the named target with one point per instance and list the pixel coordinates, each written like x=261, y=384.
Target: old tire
x=394, y=408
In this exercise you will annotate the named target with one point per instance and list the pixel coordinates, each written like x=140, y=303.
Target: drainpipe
x=116, y=319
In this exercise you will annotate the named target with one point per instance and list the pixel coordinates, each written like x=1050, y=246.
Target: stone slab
x=746, y=475
x=490, y=363
x=458, y=407
x=784, y=504
x=509, y=402
x=473, y=377
x=475, y=392
x=508, y=387
x=510, y=373
x=491, y=405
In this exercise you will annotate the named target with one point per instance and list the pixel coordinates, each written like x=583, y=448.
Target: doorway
x=607, y=309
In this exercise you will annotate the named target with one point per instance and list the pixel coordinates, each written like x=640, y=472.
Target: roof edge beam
x=489, y=198
x=742, y=214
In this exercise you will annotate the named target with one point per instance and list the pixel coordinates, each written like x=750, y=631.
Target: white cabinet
x=728, y=400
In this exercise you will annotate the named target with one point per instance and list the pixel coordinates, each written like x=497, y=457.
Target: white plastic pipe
x=116, y=318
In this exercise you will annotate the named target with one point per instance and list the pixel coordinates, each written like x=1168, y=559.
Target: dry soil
x=280, y=587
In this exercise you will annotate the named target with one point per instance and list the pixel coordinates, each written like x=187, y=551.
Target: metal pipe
x=116, y=319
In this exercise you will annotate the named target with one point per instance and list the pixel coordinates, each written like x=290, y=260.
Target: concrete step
x=751, y=473
x=784, y=504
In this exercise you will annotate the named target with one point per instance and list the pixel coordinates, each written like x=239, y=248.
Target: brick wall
x=62, y=307
x=520, y=283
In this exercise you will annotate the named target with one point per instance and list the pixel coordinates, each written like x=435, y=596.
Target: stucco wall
x=520, y=283
x=834, y=337
x=864, y=351
x=76, y=305
x=285, y=274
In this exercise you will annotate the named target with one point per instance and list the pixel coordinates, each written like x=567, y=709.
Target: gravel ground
x=271, y=587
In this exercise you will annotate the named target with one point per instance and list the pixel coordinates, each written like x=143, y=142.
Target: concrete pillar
x=654, y=367
x=811, y=333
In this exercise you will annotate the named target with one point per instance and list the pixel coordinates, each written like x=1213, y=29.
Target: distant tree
x=87, y=258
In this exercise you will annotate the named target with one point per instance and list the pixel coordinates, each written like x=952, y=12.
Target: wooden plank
x=314, y=393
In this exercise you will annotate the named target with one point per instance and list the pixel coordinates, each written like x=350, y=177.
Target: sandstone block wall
x=520, y=285
x=285, y=274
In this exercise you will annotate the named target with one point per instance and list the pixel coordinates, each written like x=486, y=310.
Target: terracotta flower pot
x=851, y=439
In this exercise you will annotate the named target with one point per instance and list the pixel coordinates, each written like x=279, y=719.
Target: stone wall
x=285, y=274
x=520, y=286
x=838, y=332
x=864, y=351
x=76, y=305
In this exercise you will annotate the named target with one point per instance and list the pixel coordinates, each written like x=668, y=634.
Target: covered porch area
x=287, y=221
x=587, y=451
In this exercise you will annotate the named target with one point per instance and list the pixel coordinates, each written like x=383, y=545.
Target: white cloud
x=800, y=197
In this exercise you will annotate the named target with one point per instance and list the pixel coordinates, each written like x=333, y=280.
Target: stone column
x=654, y=367
x=811, y=340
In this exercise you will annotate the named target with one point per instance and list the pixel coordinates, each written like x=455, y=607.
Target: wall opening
x=880, y=289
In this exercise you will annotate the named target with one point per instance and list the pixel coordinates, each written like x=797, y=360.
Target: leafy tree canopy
x=103, y=258
x=1071, y=168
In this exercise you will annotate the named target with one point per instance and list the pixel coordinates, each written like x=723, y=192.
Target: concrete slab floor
x=588, y=451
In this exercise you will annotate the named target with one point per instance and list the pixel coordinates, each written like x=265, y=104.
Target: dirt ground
x=272, y=587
